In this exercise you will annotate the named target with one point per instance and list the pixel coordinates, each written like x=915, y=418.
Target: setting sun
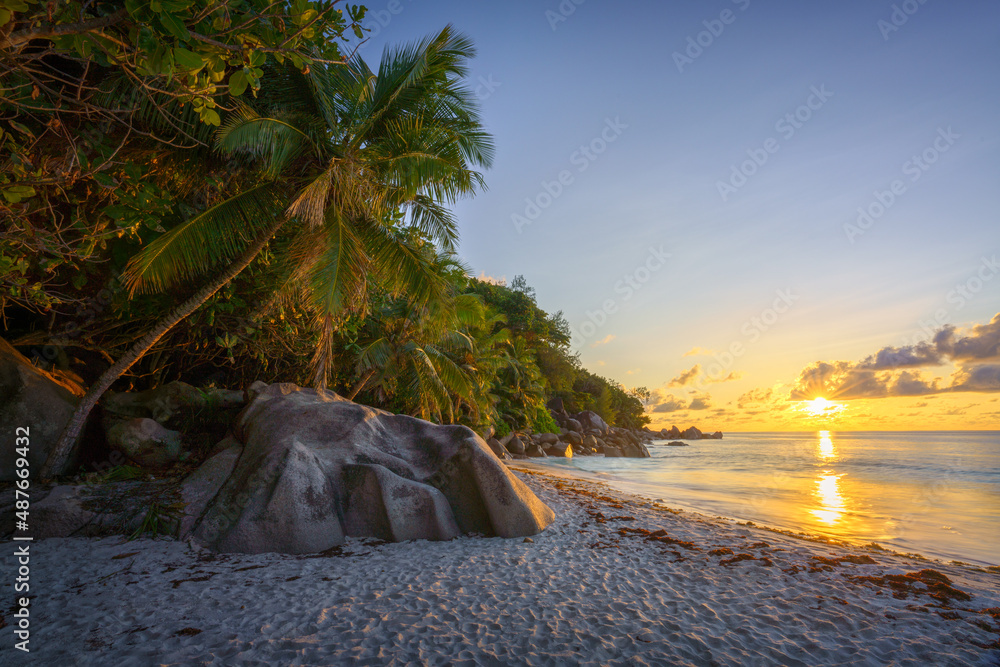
x=819, y=406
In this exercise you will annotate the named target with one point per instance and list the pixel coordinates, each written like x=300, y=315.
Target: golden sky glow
x=948, y=380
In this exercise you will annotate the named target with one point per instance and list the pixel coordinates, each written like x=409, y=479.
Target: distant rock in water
x=670, y=434
x=677, y=443
x=316, y=467
x=692, y=433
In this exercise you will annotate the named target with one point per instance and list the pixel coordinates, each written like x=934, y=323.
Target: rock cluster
x=302, y=470
x=580, y=434
x=691, y=433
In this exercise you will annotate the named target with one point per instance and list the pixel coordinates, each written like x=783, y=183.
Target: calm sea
x=933, y=493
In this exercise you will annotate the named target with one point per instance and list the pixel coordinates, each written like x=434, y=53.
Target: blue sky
x=869, y=99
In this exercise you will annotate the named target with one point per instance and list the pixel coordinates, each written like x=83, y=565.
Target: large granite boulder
x=574, y=438
x=563, y=449
x=146, y=442
x=200, y=487
x=555, y=404
x=636, y=451
x=33, y=400
x=514, y=445
x=691, y=433
x=535, y=450
x=591, y=421
x=161, y=403
x=670, y=434
x=573, y=425
x=316, y=468
x=499, y=449
x=98, y=509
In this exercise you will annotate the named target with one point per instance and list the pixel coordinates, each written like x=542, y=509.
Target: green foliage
x=543, y=421
x=109, y=98
x=159, y=519
x=542, y=366
x=194, y=125
x=502, y=428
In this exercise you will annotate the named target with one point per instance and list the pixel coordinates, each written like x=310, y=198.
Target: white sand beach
x=601, y=586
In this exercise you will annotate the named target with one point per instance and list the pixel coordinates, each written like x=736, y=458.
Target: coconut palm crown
x=365, y=166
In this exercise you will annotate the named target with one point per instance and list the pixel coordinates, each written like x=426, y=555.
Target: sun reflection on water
x=830, y=500
x=828, y=491
x=827, y=451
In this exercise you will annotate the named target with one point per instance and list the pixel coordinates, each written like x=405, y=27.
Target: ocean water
x=932, y=493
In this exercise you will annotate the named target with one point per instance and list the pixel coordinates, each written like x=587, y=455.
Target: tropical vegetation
x=237, y=196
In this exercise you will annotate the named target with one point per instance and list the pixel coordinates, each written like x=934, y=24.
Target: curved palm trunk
x=361, y=385
x=67, y=440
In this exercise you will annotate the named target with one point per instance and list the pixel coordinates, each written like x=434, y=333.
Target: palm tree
x=420, y=358
x=365, y=157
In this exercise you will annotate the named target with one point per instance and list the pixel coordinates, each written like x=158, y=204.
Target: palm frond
x=337, y=276
x=204, y=241
x=402, y=265
x=274, y=141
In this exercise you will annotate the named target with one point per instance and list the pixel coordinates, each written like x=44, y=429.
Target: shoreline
x=616, y=580
x=788, y=501
x=588, y=477
x=611, y=481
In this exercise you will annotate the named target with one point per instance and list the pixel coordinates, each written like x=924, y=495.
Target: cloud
x=893, y=371
x=604, y=341
x=844, y=381
x=699, y=352
x=502, y=280
x=911, y=356
x=701, y=403
x=984, y=378
x=669, y=404
x=662, y=401
x=633, y=371
x=982, y=342
x=754, y=397
x=686, y=378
